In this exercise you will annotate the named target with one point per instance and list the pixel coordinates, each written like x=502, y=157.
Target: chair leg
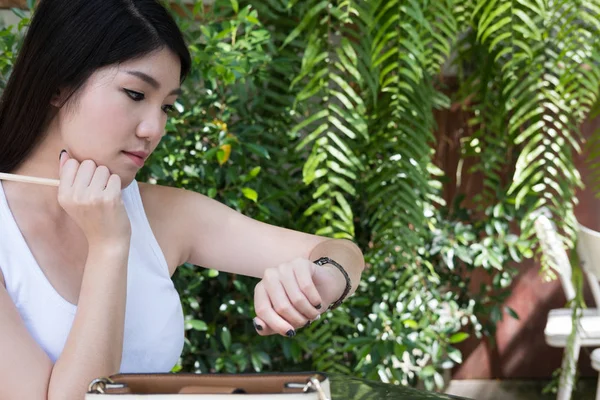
x=569, y=364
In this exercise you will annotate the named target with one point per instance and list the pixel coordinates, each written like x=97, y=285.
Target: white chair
x=588, y=249
x=560, y=323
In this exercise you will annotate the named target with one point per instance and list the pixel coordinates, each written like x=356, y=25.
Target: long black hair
x=66, y=42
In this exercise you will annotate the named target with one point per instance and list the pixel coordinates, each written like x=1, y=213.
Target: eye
x=168, y=108
x=138, y=96
x=135, y=96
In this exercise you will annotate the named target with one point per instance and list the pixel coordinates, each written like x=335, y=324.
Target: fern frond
x=334, y=126
x=543, y=82
x=593, y=148
x=409, y=48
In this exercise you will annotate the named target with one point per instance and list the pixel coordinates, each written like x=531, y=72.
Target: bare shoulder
x=182, y=219
x=162, y=205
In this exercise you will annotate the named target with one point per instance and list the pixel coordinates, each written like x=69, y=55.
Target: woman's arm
x=212, y=235
x=92, y=197
x=293, y=290
x=94, y=345
x=24, y=367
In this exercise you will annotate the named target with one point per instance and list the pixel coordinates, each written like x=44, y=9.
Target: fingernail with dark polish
x=290, y=333
x=257, y=326
x=61, y=153
x=319, y=307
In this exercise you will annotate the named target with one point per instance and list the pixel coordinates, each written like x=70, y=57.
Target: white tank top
x=154, y=332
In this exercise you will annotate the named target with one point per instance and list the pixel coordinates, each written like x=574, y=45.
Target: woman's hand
x=91, y=195
x=294, y=294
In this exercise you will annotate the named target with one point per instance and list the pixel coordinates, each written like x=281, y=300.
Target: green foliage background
x=318, y=115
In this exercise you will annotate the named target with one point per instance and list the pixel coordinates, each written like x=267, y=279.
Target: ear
x=59, y=98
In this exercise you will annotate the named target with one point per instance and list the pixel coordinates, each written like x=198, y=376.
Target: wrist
x=113, y=246
x=337, y=285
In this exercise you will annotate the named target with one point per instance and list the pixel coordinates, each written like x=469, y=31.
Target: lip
x=140, y=154
x=138, y=157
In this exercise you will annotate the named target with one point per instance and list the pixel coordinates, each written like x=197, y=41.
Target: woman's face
x=121, y=109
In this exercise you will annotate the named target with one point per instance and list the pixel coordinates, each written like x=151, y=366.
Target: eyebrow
x=151, y=81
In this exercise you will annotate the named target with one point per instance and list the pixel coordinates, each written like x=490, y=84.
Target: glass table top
x=351, y=388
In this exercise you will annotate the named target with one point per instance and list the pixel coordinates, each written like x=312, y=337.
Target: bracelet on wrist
x=326, y=260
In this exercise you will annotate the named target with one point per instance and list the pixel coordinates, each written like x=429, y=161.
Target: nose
x=152, y=126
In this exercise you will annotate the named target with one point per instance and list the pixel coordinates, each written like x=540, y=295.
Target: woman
x=85, y=288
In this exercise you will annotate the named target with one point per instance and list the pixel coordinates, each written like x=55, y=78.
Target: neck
x=42, y=162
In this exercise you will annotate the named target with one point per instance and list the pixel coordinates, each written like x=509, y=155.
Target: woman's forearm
x=95, y=344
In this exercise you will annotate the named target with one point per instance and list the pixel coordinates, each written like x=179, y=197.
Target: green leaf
x=428, y=371
x=309, y=171
x=511, y=312
x=315, y=117
x=455, y=355
x=533, y=29
x=344, y=129
x=458, y=337
x=495, y=28
x=259, y=150
x=410, y=323
x=343, y=184
x=256, y=362
x=254, y=172
x=196, y=325
x=307, y=20
x=226, y=338
x=19, y=13
x=490, y=14
x=312, y=136
x=250, y=194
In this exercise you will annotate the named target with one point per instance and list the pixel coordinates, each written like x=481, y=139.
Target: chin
x=126, y=180
x=125, y=174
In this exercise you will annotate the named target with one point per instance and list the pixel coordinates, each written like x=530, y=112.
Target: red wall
x=521, y=351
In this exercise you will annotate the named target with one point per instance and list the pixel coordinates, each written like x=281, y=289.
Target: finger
x=100, y=178
x=297, y=297
x=62, y=159
x=261, y=300
x=261, y=327
x=114, y=184
x=304, y=277
x=265, y=311
x=67, y=170
x=84, y=175
x=280, y=301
